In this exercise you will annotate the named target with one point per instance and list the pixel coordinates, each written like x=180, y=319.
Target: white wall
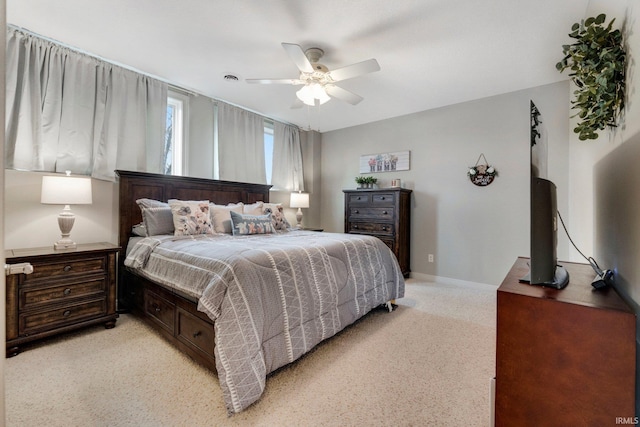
x=31, y=224
x=474, y=232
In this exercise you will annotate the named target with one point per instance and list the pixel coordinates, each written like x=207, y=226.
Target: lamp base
x=63, y=244
x=299, y=218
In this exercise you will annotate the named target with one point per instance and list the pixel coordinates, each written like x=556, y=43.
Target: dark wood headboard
x=139, y=185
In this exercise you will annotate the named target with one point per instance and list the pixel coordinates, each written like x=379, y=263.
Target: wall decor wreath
x=482, y=174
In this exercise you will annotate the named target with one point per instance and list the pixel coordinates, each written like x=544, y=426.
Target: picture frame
x=385, y=162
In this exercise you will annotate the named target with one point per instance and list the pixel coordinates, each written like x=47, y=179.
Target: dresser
x=563, y=357
x=67, y=290
x=383, y=213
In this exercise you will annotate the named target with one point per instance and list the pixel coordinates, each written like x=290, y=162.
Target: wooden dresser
x=67, y=290
x=563, y=357
x=384, y=213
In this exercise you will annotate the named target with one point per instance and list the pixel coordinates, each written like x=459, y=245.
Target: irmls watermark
x=627, y=420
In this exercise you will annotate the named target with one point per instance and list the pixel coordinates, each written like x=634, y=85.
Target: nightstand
x=68, y=289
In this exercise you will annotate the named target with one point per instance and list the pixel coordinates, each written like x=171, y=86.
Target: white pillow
x=221, y=216
x=253, y=208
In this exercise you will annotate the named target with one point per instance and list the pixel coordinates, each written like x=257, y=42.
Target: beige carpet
x=428, y=363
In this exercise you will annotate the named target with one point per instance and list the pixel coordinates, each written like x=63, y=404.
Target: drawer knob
x=358, y=197
x=197, y=334
x=67, y=268
x=157, y=309
x=384, y=228
x=355, y=227
x=67, y=291
x=382, y=198
x=384, y=212
x=67, y=313
x=356, y=211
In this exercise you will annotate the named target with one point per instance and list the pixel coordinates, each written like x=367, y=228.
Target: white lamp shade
x=299, y=200
x=66, y=190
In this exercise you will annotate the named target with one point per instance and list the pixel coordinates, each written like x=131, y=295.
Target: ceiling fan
x=318, y=82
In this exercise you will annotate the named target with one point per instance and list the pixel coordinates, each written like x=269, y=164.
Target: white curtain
x=70, y=111
x=287, y=158
x=240, y=145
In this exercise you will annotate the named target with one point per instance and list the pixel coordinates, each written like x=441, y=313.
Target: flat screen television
x=543, y=264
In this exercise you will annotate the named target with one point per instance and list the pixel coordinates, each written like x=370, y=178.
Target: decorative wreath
x=482, y=174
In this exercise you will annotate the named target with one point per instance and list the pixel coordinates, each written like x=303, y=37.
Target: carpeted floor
x=429, y=363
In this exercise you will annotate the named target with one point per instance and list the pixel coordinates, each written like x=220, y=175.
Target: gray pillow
x=243, y=224
x=156, y=216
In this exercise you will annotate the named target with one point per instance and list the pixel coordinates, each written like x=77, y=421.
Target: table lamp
x=299, y=200
x=66, y=190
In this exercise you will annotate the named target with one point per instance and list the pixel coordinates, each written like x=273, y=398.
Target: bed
x=244, y=305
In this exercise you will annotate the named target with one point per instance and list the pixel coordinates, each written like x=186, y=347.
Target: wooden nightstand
x=67, y=290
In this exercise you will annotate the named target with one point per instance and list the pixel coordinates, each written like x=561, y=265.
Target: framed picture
x=385, y=162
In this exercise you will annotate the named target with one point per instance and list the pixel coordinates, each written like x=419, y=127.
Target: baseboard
x=453, y=282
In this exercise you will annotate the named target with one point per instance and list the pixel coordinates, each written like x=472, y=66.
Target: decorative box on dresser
x=563, y=357
x=67, y=290
x=383, y=213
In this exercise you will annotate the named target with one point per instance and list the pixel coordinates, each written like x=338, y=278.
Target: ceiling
x=432, y=53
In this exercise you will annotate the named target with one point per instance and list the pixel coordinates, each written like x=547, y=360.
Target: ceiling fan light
x=306, y=95
x=323, y=97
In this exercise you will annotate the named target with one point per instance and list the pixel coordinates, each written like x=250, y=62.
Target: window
x=175, y=134
x=268, y=150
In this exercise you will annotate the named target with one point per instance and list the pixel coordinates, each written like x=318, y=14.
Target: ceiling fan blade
x=343, y=94
x=275, y=81
x=298, y=57
x=354, y=70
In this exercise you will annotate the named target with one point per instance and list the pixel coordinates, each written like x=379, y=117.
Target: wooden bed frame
x=173, y=314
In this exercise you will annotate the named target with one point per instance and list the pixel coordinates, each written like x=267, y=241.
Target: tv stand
x=560, y=279
x=563, y=357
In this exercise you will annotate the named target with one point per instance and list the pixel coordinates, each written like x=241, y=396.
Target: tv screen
x=543, y=264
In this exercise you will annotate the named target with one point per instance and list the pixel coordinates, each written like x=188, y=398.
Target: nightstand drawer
x=376, y=213
x=159, y=309
x=52, y=270
x=370, y=228
x=51, y=319
x=195, y=332
x=34, y=297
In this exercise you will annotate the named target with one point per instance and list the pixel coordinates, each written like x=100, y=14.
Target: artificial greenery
x=366, y=180
x=597, y=61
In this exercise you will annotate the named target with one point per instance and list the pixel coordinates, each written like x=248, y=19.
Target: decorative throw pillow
x=221, y=216
x=276, y=210
x=191, y=217
x=156, y=216
x=244, y=224
x=253, y=209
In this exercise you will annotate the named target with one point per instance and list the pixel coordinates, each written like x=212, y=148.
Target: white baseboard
x=453, y=282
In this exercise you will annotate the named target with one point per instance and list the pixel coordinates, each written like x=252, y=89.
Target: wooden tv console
x=563, y=357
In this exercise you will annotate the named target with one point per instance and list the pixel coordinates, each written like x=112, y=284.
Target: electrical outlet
x=430, y=257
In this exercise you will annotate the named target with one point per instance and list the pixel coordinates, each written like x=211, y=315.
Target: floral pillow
x=244, y=224
x=278, y=219
x=191, y=217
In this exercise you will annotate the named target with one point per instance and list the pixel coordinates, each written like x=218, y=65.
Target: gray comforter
x=273, y=297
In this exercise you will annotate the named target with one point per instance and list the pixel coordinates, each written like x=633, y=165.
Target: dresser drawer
x=360, y=199
x=383, y=199
x=60, y=269
x=34, y=297
x=31, y=322
x=375, y=213
x=371, y=228
x=195, y=332
x=159, y=309
x=390, y=243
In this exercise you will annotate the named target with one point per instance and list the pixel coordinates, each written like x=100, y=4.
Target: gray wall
x=475, y=233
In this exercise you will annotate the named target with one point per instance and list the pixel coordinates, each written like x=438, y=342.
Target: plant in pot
x=597, y=61
x=366, y=181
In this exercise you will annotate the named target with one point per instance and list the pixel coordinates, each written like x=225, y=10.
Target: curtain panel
x=287, y=174
x=240, y=145
x=66, y=110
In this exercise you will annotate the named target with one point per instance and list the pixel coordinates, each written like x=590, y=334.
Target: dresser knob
x=67, y=291
x=355, y=227
x=382, y=198
x=66, y=313
x=356, y=211
x=384, y=212
x=157, y=309
x=67, y=268
x=384, y=228
x=197, y=334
